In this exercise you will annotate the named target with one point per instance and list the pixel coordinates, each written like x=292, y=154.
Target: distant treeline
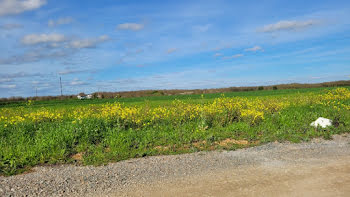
x=143, y=93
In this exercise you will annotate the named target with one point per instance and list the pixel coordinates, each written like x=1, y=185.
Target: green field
x=157, y=100
x=99, y=131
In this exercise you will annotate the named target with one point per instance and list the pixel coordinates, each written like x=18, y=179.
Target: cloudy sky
x=117, y=45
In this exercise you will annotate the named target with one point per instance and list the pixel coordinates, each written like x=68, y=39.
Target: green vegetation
x=158, y=100
x=102, y=130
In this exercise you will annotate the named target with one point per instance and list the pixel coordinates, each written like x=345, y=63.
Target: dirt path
x=317, y=168
x=321, y=178
x=293, y=170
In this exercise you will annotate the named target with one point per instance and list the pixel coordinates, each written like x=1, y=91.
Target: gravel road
x=316, y=168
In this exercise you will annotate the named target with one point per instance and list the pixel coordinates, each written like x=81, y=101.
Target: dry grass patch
x=162, y=148
x=199, y=144
x=78, y=156
x=228, y=142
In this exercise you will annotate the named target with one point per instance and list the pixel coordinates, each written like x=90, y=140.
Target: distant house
x=83, y=96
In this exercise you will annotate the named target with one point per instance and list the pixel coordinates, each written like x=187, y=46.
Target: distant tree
x=274, y=87
x=261, y=88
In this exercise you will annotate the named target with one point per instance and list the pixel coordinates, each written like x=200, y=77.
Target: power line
x=61, y=86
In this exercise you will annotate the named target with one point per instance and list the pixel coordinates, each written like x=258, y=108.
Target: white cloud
x=288, y=26
x=51, y=46
x=11, y=86
x=5, y=80
x=131, y=26
x=237, y=55
x=67, y=71
x=71, y=71
x=56, y=40
x=254, y=49
x=77, y=82
x=11, y=7
x=33, y=39
x=171, y=50
x=36, y=55
x=11, y=76
x=233, y=56
x=217, y=54
x=60, y=21
x=10, y=26
x=88, y=43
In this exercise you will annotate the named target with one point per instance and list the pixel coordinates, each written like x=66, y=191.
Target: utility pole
x=61, y=86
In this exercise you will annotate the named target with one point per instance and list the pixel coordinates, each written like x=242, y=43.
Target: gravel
x=121, y=177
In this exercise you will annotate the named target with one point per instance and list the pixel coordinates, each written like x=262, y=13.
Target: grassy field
x=159, y=99
x=100, y=131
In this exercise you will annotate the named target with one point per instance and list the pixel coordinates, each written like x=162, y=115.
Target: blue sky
x=116, y=45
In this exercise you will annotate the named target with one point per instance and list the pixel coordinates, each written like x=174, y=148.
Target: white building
x=89, y=96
